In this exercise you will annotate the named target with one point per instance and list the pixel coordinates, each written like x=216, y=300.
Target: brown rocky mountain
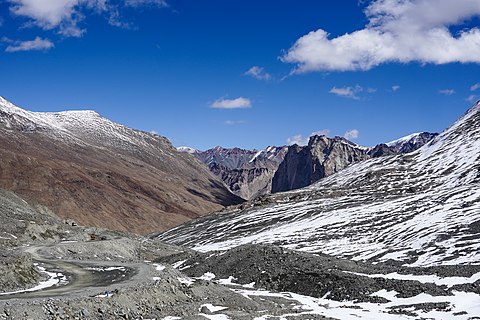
x=96, y=172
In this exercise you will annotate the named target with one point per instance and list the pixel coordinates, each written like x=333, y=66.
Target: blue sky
x=248, y=73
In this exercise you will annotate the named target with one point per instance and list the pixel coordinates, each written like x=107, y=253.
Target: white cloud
x=351, y=134
x=303, y=141
x=447, y=92
x=475, y=87
x=258, y=73
x=65, y=16
x=395, y=88
x=297, y=139
x=38, y=44
x=238, y=103
x=48, y=14
x=399, y=31
x=347, y=92
x=139, y=3
x=45, y=13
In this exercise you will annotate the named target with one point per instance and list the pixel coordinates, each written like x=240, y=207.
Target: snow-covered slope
x=421, y=208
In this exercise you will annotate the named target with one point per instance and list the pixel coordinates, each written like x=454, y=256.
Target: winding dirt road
x=84, y=278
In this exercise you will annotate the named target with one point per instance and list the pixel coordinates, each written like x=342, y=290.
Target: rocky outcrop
x=322, y=157
x=100, y=173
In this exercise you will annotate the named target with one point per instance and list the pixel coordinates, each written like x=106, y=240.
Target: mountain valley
x=390, y=232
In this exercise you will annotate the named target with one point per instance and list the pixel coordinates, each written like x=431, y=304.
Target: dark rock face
x=99, y=173
x=322, y=157
x=295, y=171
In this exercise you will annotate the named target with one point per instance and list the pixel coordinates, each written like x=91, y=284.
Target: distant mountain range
x=100, y=173
x=251, y=173
x=420, y=208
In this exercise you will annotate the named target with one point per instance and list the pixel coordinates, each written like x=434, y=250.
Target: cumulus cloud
x=238, y=103
x=399, y=31
x=347, y=92
x=351, y=134
x=258, y=73
x=303, y=141
x=65, y=16
x=38, y=44
x=62, y=14
x=447, y=92
x=395, y=88
x=475, y=87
